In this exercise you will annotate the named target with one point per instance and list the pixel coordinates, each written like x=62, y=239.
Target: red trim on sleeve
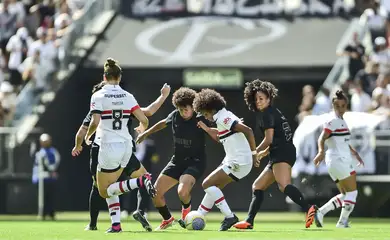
x=134, y=108
x=327, y=130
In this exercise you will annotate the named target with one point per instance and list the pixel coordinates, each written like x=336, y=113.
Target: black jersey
x=272, y=117
x=189, y=140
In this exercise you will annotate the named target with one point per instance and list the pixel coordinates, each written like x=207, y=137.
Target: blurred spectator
x=382, y=82
x=381, y=53
x=3, y=66
x=32, y=70
x=17, y=8
x=366, y=78
x=2, y=116
x=323, y=103
x=7, y=25
x=44, y=11
x=383, y=107
x=49, y=159
x=355, y=52
x=18, y=48
x=7, y=100
x=360, y=100
x=376, y=20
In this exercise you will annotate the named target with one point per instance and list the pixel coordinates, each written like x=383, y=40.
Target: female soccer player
x=338, y=159
x=111, y=108
x=189, y=160
x=277, y=142
x=240, y=148
x=134, y=168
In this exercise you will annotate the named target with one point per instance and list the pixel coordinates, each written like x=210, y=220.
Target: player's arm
x=356, y=155
x=96, y=110
x=155, y=128
x=269, y=129
x=248, y=132
x=212, y=132
x=95, y=120
x=79, y=138
x=143, y=120
x=325, y=134
x=155, y=106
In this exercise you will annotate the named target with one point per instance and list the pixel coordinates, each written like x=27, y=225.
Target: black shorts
x=191, y=166
x=133, y=165
x=286, y=153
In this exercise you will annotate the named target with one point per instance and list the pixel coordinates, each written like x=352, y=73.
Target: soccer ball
x=195, y=221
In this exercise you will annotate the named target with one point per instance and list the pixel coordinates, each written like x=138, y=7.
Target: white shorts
x=237, y=169
x=339, y=168
x=113, y=156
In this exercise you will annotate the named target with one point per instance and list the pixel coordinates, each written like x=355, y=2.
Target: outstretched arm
x=155, y=128
x=155, y=106
x=212, y=132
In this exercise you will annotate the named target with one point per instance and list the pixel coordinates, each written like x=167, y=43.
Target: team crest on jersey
x=227, y=120
x=117, y=114
x=93, y=104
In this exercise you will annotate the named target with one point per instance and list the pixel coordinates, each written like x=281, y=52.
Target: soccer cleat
x=343, y=224
x=165, y=224
x=319, y=219
x=228, y=223
x=310, y=215
x=243, y=225
x=184, y=212
x=114, y=229
x=90, y=228
x=139, y=217
x=145, y=181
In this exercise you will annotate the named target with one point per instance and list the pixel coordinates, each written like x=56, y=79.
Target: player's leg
x=332, y=204
x=282, y=173
x=261, y=184
x=351, y=192
x=95, y=200
x=162, y=185
x=186, y=182
x=222, y=176
x=137, y=170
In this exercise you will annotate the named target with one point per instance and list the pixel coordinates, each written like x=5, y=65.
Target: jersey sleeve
x=329, y=126
x=87, y=120
x=228, y=121
x=133, y=104
x=96, y=104
x=268, y=120
x=170, y=117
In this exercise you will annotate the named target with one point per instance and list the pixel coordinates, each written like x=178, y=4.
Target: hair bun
x=111, y=62
x=339, y=93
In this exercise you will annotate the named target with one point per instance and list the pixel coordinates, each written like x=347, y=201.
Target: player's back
x=116, y=106
x=338, y=141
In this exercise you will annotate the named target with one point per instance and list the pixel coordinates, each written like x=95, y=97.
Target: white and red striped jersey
x=338, y=141
x=115, y=106
x=234, y=143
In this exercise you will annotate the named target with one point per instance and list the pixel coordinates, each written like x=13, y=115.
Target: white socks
x=217, y=196
x=332, y=204
x=119, y=188
x=348, y=205
x=206, y=205
x=114, y=208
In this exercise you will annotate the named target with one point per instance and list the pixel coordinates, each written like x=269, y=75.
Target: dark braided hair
x=339, y=96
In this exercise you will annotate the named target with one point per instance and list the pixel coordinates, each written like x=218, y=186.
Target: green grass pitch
x=269, y=226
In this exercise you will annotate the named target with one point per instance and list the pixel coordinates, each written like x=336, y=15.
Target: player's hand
x=241, y=120
x=140, y=138
x=165, y=90
x=263, y=153
x=318, y=158
x=202, y=125
x=88, y=140
x=140, y=129
x=76, y=150
x=255, y=161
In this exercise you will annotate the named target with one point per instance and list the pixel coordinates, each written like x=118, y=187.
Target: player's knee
x=103, y=193
x=206, y=184
x=282, y=186
x=183, y=193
